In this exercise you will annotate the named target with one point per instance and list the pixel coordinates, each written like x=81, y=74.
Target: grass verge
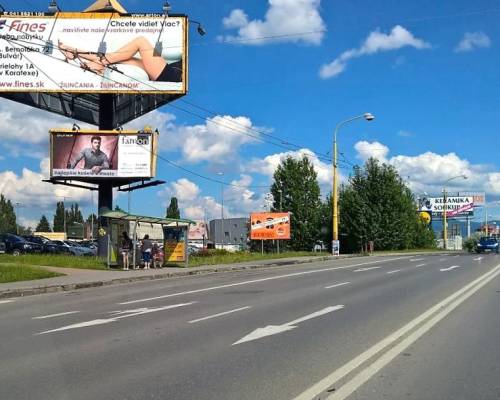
x=13, y=272
x=220, y=257
x=54, y=260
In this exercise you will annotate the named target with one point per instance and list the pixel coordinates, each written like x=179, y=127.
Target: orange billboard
x=269, y=226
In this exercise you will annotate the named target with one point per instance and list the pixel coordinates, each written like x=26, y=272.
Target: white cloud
x=239, y=199
x=404, y=133
x=29, y=190
x=429, y=171
x=268, y=164
x=375, y=150
x=472, y=41
x=376, y=42
x=294, y=20
x=23, y=124
x=217, y=141
x=237, y=19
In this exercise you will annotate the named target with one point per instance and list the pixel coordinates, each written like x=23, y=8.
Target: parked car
x=84, y=251
x=89, y=244
x=17, y=245
x=60, y=248
x=487, y=244
x=47, y=246
x=71, y=248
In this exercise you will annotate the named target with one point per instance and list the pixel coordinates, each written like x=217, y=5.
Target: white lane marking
x=456, y=256
x=128, y=314
x=56, y=315
x=419, y=265
x=337, y=285
x=334, y=377
x=416, y=259
x=257, y=281
x=365, y=269
x=478, y=259
x=393, y=272
x=6, y=301
x=450, y=268
x=275, y=329
x=362, y=377
x=442, y=259
x=219, y=315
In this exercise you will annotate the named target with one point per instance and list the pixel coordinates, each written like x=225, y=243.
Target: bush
x=470, y=243
x=210, y=253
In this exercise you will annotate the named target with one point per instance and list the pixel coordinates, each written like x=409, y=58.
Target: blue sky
x=427, y=71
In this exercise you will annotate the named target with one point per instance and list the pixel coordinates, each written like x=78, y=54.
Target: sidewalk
x=85, y=278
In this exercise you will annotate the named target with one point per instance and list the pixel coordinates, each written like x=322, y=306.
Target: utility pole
x=445, y=223
x=16, y=208
x=281, y=210
x=222, y=210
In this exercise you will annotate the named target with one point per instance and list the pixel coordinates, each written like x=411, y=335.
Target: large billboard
x=269, y=226
x=456, y=206
x=93, y=52
x=102, y=154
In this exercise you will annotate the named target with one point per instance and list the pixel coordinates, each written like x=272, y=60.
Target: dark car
x=17, y=245
x=487, y=244
x=47, y=245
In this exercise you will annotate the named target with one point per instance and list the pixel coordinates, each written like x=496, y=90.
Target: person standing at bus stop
x=147, y=248
x=126, y=246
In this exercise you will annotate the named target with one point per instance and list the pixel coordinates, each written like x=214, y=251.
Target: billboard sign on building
x=102, y=154
x=269, y=226
x=456, y=206
x=198, y=231
x=93, y=53
x=478, y=198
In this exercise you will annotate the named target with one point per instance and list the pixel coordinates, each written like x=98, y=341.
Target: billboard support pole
x=105, y=202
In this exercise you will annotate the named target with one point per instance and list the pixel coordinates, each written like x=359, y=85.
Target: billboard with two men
x=102, y=154
x=93, y=52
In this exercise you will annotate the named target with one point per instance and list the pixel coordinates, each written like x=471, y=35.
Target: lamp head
x=369, y=116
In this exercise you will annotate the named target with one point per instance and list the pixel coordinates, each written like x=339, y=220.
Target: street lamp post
x=335, y=222
x=222, y=210
x=445, y=222
x=16, y=207
x=281, y=210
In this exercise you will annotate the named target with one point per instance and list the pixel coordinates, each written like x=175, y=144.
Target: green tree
x=173, y=209
x=296, y=187
x=43, y=225
x=7, y=216
x=59, y=217
x=376, y=205
x=74, y=215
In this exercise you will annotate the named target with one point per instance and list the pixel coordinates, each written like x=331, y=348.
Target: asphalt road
x=421, y=328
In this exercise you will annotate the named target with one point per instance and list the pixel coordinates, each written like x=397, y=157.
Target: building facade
x=230, y=232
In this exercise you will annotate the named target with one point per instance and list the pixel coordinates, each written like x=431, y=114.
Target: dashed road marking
x=450, y=268
x=337, y=285
x=56, y=315
x=365, y=269
x=219, y=315
x=394, y=271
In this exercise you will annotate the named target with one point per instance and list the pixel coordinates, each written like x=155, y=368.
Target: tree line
x=62, y=216
x=375, y=205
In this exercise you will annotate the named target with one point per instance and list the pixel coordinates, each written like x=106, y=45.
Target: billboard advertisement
x=269, y=226
x=102, y=154
x=478, y=198
x=456, y=206
x=174, y=248
x=93, y=53
x=198, y=231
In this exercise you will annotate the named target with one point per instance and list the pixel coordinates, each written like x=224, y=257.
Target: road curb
x=23, y=292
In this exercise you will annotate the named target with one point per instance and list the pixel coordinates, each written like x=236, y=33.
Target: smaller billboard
x=478, y=198
x=198, y=231
x=456, y=206
x=269, y=226
x=102, y=154
x=174, y=248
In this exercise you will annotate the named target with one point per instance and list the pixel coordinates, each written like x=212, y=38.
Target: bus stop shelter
x=174, y=231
